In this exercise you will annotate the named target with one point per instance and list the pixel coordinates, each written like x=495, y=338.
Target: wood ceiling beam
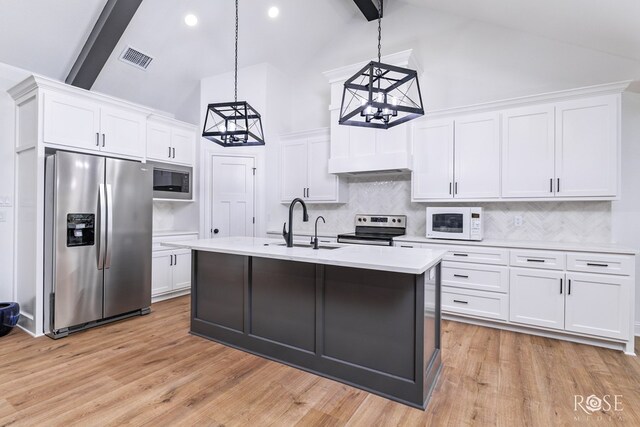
x=369, y=8
x=104, y=37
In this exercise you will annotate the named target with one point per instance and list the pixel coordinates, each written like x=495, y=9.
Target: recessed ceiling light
x=274, y=12
x=191, y=20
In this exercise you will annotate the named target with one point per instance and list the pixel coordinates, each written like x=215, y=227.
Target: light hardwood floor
x=150, y=371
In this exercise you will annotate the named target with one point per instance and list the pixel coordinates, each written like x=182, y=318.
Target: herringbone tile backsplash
x=554, y=221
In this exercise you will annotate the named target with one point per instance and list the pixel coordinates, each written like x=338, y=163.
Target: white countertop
x=611, y=248
x=163, y=233
x=399, y=260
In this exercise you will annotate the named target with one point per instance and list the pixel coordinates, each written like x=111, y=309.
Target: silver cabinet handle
x=558, y=186
x=169, y=152
x=308, y=192
x=460, y=301
x=102, y=228
x=569, y=293
x=175, y=260
x=107, y=258
x=462, y=276
x=550, y=185
x=534, y=260
x=97, y=139
x=456, y=188
x=460, y=254
x=170, y=260
x=104, y=139
x=450, y=185
x=174, y=152
x=560, y=286
x=594, y=264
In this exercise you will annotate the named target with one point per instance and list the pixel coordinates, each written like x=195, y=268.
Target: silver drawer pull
x=534, y=260
x=460, y=302
x=461, y=275
x=460, y=254
x=594, y=264
x=406, y=246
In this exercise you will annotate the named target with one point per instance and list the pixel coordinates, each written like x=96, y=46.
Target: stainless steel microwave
x=455, y=223
x=172, y=181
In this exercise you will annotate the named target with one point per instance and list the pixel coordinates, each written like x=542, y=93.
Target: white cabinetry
x=171, y=268
x=537, y=297
x=583, y=296
x=566, y=148
x=171, y=271
x=457, y=158
x=170, y=141
x=598, y=305
x=528, y=152
x=80, y=122
x=587, y=147
x=304, y=169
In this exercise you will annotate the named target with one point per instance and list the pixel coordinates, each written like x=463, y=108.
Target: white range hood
x=367, y=151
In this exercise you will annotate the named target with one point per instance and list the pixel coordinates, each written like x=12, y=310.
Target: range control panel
x=394, y=221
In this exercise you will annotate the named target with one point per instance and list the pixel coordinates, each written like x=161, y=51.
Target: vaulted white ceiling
x=45, y=36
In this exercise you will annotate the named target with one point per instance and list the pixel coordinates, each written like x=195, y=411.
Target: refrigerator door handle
x=102, y=229
x=107, y=260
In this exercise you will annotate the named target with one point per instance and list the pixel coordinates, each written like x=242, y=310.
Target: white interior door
x=233, y=196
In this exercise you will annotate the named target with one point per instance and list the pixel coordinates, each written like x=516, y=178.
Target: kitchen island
x=364, y=315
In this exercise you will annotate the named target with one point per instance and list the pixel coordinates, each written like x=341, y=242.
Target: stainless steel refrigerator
x=98, y=226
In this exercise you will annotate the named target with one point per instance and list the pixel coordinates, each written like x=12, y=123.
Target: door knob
x=216, y=231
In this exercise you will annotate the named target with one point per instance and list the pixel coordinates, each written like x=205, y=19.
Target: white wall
x=265, y=88
x=9, y=76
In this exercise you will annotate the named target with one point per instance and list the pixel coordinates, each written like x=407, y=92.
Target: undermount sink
x=303, y=245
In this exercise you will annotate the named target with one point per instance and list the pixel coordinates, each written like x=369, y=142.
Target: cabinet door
x=598, y=304
x=293, y=170
x=161, y=269
x=528, y=152
x=537, y=297
x=123, y=132
x=71, y=121
x=159, y=142
x=181, y=270
x=477, y=156
x=432, y=176
x=183, y=145
x=322, y=186
x=587, y=147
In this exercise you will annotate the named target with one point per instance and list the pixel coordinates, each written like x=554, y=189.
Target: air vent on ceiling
x=136, y=58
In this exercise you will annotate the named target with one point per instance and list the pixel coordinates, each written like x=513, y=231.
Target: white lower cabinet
x=584, y=296
x=171, y=271
x=598, y=304
x=537, y=297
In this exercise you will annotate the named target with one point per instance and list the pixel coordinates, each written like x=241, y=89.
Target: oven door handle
x=366, y=242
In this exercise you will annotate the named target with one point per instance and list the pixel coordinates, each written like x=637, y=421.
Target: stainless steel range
x=376, y=230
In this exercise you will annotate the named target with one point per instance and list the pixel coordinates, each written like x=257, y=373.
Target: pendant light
x=381, y=95
x=233, y=124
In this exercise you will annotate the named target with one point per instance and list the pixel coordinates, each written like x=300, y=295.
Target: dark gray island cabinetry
x=325, y=312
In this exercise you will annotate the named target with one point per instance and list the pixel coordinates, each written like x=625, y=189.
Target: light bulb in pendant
x=222, y=128
x=232, y=126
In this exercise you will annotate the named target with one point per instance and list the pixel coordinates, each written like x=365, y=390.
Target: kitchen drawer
x=538, y=259
x=479, y=277
x=478, y=255
x=601, y=263
x=489, y=305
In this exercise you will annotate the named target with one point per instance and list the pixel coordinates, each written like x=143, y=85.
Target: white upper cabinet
x=71, y=121
x=528, y=144
x=170, y=141
x=457, y=158
x=432, y=176
x=477, y=156
x=304, y=173
x=587, y=147
x=122, y=131
x=79, y=122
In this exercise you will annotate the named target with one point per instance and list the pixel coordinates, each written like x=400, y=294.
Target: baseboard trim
x=170, y=295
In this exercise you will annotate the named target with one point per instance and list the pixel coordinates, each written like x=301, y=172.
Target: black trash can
x=9, y=315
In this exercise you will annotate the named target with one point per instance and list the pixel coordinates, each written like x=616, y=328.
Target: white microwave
x=455, y=223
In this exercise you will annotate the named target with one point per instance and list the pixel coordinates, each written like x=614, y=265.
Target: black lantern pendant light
x=381, y=95
x=233, y=124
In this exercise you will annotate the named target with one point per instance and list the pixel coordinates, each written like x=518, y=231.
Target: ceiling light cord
x=236, y=58
x=379, y=30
